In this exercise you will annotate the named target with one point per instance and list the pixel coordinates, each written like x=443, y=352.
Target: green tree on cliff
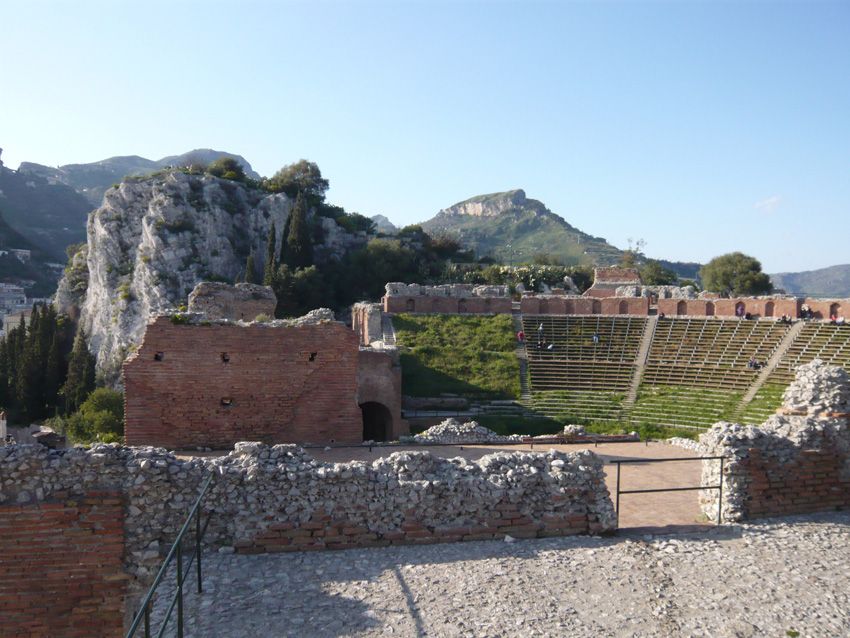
x=301, y=177
x=299, y=247
x=80, y=380
x=251, y=269
x=735, y=274
x=271, y=261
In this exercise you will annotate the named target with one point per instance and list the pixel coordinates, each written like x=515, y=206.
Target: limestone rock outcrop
x=154, y=239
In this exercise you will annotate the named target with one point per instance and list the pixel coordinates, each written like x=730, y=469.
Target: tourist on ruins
x=595, y=337
x=520, y=336
x=833, y=319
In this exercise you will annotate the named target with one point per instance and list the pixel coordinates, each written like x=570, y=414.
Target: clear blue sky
x=701, y=128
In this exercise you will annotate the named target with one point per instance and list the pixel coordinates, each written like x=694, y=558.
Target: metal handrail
x=718, y=487
x=176, y=552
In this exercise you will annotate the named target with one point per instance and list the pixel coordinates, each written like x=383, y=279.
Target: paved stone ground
x=768, y=579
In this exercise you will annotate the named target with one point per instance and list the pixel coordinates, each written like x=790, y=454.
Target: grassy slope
x=465, y=355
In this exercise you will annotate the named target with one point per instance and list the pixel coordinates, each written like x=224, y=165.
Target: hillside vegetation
x=824, y=282
x=489, y=223
x=465, y=355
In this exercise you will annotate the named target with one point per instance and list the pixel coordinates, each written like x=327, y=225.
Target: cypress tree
x=299, y=248
x=250, y=269
x=269, y=273
x=80, y=380
x=53, y=372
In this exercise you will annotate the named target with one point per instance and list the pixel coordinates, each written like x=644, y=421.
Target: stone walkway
x=770, y=579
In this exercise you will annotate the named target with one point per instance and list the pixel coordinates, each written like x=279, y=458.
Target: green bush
x=100, y=418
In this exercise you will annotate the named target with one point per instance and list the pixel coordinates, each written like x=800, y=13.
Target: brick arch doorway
x=377, y=421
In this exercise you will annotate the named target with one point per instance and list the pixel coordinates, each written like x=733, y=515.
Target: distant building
x=12, y=298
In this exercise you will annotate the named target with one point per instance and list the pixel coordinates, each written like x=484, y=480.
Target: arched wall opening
x=682, y=308
x=834, y=309
x=709, y=309
x=410, y=305
x=596, y=307
x=377, y=421
x=624, y=307
x=768, y=309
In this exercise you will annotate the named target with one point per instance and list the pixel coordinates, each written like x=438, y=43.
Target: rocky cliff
x=153, y=239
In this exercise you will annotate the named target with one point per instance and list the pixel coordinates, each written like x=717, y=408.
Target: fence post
x=198, y=544
x=148, y=620
x=720, y=496
x=617, y=506
x=179, y=591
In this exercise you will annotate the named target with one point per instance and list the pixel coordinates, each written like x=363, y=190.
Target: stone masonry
x=798, y=461
x=240, y=302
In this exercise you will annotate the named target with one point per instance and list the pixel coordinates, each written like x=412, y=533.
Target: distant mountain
x=92, y=180
x=490, y=223
x=833, y=281
x=50, y=216
x=384, y=225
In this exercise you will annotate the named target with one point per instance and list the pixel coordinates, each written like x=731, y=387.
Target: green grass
x=579, y=406
x=767, y=399
x=464, y=355
x=684, y=404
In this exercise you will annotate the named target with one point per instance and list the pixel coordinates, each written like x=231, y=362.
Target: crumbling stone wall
x=243, y=302
x=659, y=292
x=607, y=280
x=446, y=299
x=213, y=384
x=825, y=308
x=278, y=498
x=61, y=562
x=798, y=461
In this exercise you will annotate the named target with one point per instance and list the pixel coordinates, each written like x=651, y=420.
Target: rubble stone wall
x=398, y=289
x=273, y=498
x=61, y=566
x=240, y=302
x=797, y=462
x=572, y=305
x=213, y=385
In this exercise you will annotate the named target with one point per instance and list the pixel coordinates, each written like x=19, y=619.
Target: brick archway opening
x=377, y=421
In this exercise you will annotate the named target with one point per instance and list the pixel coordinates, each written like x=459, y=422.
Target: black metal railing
x=143, y=616
x=718, y=487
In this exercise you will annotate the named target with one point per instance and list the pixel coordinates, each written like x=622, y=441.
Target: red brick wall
x=822, y=307
x=379, y=380
x=61, y=571
x=759, y=308
x=556, y=305
x=278, y=394
x=324, y=532
x=812, y=482
x=448, y=305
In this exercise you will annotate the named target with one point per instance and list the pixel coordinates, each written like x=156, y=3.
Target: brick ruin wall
x=379, y=381
x=758, y=307
x=574, y=305
x=56, y=505
x=797, y=462
x=213, y=385
x=61, y=566
x=366, y=322
x=448, y=305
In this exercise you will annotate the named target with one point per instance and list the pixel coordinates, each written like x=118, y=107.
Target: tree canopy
x=735, y=274
x=301, y=177
x=652, y=273
x=227, y=168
